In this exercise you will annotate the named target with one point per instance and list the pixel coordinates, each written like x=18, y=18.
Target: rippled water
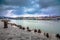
x=51, y=26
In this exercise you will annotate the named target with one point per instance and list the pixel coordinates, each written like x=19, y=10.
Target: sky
x=29, y=8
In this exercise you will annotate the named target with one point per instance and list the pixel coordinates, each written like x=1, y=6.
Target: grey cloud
x=16, y=2
x=55, y=10
x=2, y=13
x=51, y=7
x=47, y=3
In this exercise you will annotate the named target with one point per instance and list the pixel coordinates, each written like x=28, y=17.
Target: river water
x=50, y=26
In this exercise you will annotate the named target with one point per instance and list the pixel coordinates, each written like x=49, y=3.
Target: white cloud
x=29, y=9
x=34, y=1
x=36, y=6
x=10, y=13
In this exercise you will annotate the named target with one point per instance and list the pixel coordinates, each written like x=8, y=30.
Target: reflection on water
x=46, y=26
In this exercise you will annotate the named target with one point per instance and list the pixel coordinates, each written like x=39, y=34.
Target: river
x=50, y=26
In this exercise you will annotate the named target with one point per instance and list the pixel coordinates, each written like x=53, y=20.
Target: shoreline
x=13, y=31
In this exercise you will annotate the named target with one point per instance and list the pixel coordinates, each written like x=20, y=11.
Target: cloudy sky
x=14, y=8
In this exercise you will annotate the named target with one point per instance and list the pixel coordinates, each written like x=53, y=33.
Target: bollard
x=5, y=23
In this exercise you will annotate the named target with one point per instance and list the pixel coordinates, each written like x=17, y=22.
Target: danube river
x=50, y=26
